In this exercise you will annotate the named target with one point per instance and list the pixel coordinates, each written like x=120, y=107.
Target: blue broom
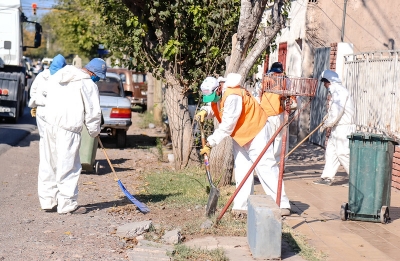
x=142, y=207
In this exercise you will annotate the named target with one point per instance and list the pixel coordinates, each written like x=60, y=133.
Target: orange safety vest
x=251, y=120
x=271, y=102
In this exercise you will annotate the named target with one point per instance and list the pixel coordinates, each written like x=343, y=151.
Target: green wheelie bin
x=87, y=152
x=370, y=178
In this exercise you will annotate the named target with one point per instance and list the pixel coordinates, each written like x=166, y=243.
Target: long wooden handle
x=271, y=140
x=205, y=156
x=203, y=138
x=301, y=142
x=108, y=160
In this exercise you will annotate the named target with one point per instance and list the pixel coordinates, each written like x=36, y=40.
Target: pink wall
x=370, y=24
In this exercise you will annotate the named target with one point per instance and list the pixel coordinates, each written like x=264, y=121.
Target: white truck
x=13, y=80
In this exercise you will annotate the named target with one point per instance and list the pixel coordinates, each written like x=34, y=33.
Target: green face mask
x=216, y=98
x=213, y=97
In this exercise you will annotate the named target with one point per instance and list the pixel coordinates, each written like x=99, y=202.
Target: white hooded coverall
x=275, y=121
x=267, y=169
x=72, y=102
x=38, y=93
x=341, y=120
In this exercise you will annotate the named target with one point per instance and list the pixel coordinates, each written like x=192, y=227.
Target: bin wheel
x=344, y=211
x=96, y=167
x=384, y=215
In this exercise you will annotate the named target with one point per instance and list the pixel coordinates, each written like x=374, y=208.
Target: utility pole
x=344, y=20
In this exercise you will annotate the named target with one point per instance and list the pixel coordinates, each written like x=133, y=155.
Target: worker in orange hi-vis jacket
x=273, y=105
x=241, y=117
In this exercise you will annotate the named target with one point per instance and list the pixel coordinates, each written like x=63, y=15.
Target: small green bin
x=370, y=178
x=87, y=152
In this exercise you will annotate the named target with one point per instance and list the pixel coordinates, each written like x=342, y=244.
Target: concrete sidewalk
x=317, y=214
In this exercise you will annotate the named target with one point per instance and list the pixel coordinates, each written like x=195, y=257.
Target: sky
x=27, y=7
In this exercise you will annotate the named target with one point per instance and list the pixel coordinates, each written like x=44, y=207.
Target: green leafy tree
x=73, y=28
x=179, y=41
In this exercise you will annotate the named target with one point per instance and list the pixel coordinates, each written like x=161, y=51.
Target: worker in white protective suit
x=37, y=102
x=73, y=103
x=38, y=90
x=273, y=106
x=241, y=117
x=340, y=118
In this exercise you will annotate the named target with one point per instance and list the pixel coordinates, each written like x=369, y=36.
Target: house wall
x=369, y=25
x=294, y=35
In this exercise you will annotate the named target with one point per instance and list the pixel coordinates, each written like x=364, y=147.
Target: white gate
x=373, y=81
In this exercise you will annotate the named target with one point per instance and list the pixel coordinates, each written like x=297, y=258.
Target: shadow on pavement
x=106, y=204
x=132, y=141
x=291, y=248
x=104, y=168
x=298, y=207
x=394, y=213
x=125, y=201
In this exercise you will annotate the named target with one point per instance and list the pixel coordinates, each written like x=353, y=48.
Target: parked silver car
x=116, y=108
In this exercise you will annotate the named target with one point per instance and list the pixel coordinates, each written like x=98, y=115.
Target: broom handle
x=203, y=142
x=109, y=162
x=301, y=142
x=271, y=140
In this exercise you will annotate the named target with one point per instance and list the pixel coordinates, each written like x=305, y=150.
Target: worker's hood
x=331, y=76
x=57, y=63
x=232, y=81
x=45, y=74
x=70, y=73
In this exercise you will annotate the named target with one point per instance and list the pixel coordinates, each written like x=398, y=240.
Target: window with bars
x=313, y=1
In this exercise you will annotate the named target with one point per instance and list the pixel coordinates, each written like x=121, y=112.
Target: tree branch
x=250, y=16
x=264, y=39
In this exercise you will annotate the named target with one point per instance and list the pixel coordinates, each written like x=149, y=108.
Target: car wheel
x=23, y=104
x=121, y=138
x=19, y=106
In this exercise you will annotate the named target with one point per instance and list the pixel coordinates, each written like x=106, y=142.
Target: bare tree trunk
x=221, y=158
x=263, y=42
x=250, y=17
x=176, y=105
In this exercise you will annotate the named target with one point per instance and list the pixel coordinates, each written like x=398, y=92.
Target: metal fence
x=318, y=104
x=290, y=86
x=373, y=81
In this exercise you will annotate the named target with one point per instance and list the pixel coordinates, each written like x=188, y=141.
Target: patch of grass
x=300, y=245
x=145, y=119
x=228, y=226
x=188, y=189
x=182, y=188
x=182, y=253
x=177, y=188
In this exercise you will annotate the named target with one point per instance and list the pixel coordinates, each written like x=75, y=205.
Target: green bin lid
x=370, y=136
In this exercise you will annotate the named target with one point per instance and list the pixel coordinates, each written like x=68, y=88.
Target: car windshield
x=110, y=87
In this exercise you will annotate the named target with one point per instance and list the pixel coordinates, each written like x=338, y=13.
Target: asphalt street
x=11, y=134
